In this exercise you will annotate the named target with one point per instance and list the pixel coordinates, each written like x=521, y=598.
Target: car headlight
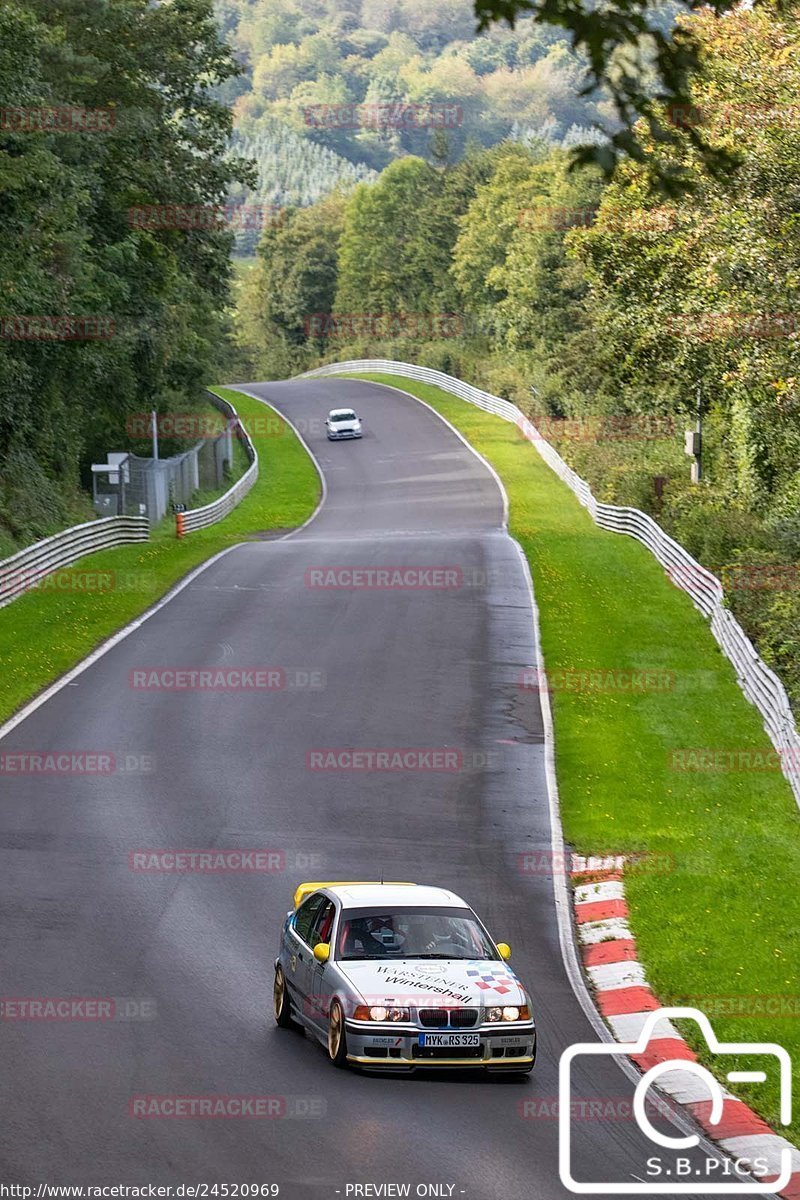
x=381, y=1012
x=509, y=1013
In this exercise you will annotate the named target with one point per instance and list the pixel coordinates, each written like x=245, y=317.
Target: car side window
x=304, y=917
x=323, y=924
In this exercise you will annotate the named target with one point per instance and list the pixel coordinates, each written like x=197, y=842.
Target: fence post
x=179, y=529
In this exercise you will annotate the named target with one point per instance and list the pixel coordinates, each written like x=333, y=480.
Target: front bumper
x=389, y=1048
x=343, y=434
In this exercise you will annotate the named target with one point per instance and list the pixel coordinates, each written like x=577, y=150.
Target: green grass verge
x=724, y=920
x=44, y=633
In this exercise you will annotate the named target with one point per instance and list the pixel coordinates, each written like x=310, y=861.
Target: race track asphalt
x=421, y=667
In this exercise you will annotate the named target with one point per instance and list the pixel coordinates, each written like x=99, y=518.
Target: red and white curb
x=624, y=998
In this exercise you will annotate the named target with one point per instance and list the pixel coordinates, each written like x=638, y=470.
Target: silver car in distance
x=342, y=423
x=397, y=977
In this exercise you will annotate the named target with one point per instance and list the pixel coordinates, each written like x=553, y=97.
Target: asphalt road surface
x=423, y=667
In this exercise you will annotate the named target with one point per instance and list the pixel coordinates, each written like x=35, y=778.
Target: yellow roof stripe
x=305, y=889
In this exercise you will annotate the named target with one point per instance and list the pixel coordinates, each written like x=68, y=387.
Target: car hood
x=443, y=982
x=345, y=425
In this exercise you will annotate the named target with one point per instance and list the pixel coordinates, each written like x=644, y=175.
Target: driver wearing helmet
x=436, y=931
x=383, y=933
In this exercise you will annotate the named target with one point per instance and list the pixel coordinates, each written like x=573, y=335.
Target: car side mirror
x=504, y=950
x=322, y=952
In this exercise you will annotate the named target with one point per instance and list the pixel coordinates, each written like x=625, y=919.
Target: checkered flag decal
x=493, y=981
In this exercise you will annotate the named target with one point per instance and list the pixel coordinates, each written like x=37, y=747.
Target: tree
x=69, y=247
x=380, y=271
x=487, y=227
x=293, y=286
x=646, y=62
x=695, y=291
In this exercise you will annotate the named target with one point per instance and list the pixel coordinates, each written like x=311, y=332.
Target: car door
x=319, y=989
x=299, y=957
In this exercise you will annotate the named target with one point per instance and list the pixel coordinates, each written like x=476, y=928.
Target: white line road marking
x=67, y=680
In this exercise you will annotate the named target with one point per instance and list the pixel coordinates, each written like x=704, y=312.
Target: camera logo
x=771, y=1053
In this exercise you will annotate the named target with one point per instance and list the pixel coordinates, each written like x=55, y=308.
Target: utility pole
x=154, y=418
x=693, y=443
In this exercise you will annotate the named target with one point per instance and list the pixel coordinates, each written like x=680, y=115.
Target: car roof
x=337, y=411
x=392, y=896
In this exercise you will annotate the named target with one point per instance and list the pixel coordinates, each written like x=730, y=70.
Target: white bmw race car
x=397, y=977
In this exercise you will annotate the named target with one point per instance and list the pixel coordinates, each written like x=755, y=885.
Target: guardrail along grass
x=717, y=912
x=47, y=631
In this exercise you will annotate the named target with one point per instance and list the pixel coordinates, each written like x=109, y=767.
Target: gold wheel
x=280, y=1001
x=335, y=1031
x=337, y=1047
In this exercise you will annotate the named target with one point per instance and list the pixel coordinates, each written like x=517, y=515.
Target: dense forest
x=606, y=310
x=107, y=108
x=316, y=72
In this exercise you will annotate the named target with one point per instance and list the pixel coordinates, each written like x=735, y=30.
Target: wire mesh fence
x=209, y=514
x=152, y=487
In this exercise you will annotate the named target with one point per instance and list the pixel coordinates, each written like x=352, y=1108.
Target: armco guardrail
x=209, y=514
x=25, y=569
x=761, y=686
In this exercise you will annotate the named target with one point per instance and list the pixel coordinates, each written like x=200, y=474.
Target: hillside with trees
x=307, y=63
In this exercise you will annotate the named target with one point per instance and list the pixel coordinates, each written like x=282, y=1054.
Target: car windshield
x=344, y=416
x=413, y=933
